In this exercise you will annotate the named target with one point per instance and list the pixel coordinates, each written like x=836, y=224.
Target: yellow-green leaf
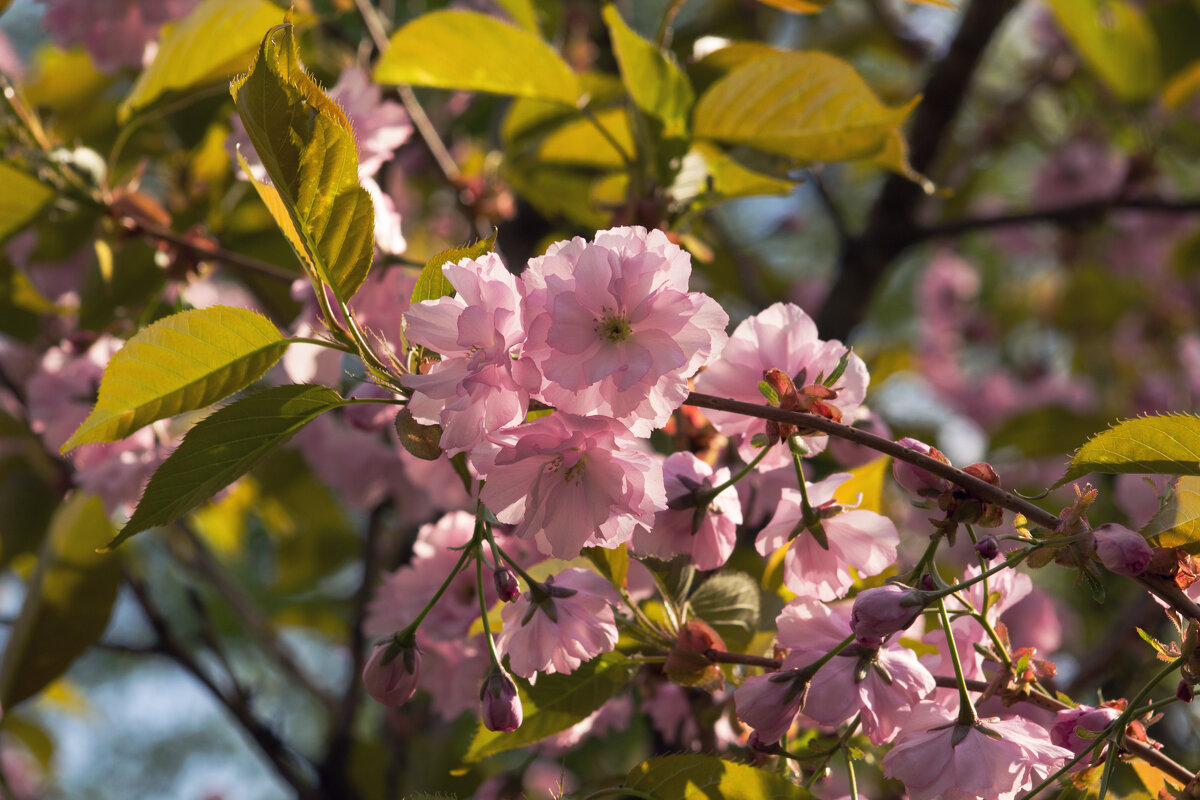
x=653, y=79
x=475, y=52
x=307, y=146
x=222, y=447
x=1177, y=523
x=864, y=489
x=23, y=198
x=1117, y=41
x=180, y=363
x=798, y=6
x=213, y=42
x=709, y=175
x=804, y=106
x=1167, y=444
x=1182, y=86
x=579, y=142
x=699, y=777
x=68, y=602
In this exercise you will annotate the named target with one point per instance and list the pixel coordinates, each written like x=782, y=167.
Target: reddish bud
x=888, y=609
x=501, y=705
x=507, y=587
x=1122, y=550
x=988, y=547
x=391, y=673
x=915, y=480
x=687, y=663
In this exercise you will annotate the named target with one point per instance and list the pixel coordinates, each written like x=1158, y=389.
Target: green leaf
x=1167, y=444
x=730, y=603
x=698, y=777
x=555, y=703
x=67, y=604
x=213, y=42
x=1116, y=40
x=709, y=176
x=475, y=52
x=307, y=146
x=180, y=363
x=612, y=563
x=579, y=143
x=223, y=447
x=655, y=82
x=23, y=198
x=805, y=106
x=1177, y=523
x=432, y=284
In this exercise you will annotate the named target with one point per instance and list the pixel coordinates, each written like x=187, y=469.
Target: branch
x=1087, y=211
x=207, y=251
x=290, y=766
x=891, y=221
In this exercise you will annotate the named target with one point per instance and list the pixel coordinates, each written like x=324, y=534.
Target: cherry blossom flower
x=569, y=482
x=482, y=384
x=995, y=758
x=558, y=625
x=1064, y=731
x=857, y=538
x=709, y=540
x=116, y=33
x=782, y=337
x=881, y=682
x=614, y=328
x=769, y=703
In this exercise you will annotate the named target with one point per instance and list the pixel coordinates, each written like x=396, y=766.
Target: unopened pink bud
x=915, y=480
x=392, y=681
x=1183, y=692
x=1063, y=733
x=506, y=585
x=1121, y=550
x=988, y=548
x=885, y=610
x=501, y=709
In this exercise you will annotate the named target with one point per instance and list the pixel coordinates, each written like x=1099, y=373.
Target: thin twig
x=208, y=252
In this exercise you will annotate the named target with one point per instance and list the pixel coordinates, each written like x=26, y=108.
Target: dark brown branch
x=891, y=222
x=288, y=764
x=1073, y=214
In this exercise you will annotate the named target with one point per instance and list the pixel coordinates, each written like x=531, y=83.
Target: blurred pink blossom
x=116, y=33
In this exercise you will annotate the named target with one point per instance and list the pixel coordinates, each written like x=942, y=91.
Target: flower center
x=614, y=328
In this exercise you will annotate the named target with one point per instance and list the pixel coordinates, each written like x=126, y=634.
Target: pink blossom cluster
x=116, y=33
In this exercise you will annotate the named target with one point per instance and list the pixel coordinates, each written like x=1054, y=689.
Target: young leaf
x=805, y=106
x=223, y=447
x=213, y=42
x=472, y=51
x=1117, y=41
x=23, y=198
x=432, y=284
x=798, y=6
x=730, y=603
x=181, y=363
x=555, y=703
x=1177, y=523
x=611, y=562
x=699, y=777
x=307, y=146
x=68, y=602
x=655, y=82
x=1169, y=444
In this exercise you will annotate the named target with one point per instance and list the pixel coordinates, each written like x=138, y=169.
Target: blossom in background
x=557, y=627
x=1068, y=721
x=675, y=531
x=569, y=482
x=782, y=337
x=997, y=758
x=614, y=328
x=482, y=384
x=856, y=538
x=116, y=33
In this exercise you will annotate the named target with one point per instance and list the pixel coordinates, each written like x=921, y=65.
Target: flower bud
x=391, y=673
x=1064, y=734
x=988, y=548
x=501, y=708
x=915, y=480
x=1121, y=550
x=507, y=587
x=1183, y=692
x=885, y=610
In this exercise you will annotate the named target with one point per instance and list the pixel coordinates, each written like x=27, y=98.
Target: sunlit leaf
x=708, y=176
x=523, y=12
x=23, y=198
x=1117, y=41
x=475, y=52
x=864, y=489
x=432, y=284
x=804, y=106
x=730, y=603
x=68, y=602
x=894, y=157
x=798, y=6
x=1167, y=444
x=180, y=363
x=307, y=146
x=611, y=562
x=213, y=42
x=223, y=447
x=654, y=80
x=555, y=703
x=699, y=777
x=1177, y=523
x=579, y=142
x=1182, y=87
